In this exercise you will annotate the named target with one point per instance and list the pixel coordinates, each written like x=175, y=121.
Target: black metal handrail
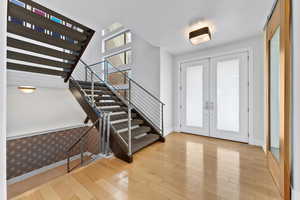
x=82, y=135
x=85, y=133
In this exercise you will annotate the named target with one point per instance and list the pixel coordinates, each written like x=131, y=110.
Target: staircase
x=131, y=123
x=127, y=116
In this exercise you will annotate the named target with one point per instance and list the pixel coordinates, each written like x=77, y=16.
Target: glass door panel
x=229, y=97
x=195, y=97
x=275, y=94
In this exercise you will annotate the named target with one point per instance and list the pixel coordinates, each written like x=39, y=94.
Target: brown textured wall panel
x=34, y=152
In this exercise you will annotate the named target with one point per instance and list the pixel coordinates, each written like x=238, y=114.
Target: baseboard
x=295, y=194
x=168, y=133
x=168, y=130
x=43, y=169
x=256, y=142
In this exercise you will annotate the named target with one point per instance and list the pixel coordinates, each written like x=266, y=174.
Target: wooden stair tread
x=98, y=92
x=119, y=109
x=99, y=98
x=135, y=132
x=123, y=125
x=121, y=116
x=87, y=83
x=138, y=144
x=102, y=104
x=96, y=87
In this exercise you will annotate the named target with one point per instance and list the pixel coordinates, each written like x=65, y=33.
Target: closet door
x=195, y=97
x=229, y=97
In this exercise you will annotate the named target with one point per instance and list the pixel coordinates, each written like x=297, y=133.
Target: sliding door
x=278, y=96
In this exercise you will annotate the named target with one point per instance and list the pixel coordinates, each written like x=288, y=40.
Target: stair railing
x=135, y=96
x=82, y=146
x=94, y=76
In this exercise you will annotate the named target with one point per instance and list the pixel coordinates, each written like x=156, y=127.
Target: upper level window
x=111, y=28
x=123, y=58
x=118, y=41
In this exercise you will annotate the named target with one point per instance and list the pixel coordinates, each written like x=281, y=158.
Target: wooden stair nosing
x=27, y=46
x=135, y=132
x=139, y=144
x=123, y=125
x=27, y=68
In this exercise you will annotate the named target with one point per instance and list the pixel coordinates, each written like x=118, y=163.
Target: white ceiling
x=165, y=23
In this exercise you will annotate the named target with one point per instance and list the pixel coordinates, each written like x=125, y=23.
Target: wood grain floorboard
x=186, y=167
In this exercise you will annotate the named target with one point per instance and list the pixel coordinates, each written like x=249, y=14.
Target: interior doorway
x=214, y=97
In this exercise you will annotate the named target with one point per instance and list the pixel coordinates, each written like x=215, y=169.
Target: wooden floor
x=185, y=167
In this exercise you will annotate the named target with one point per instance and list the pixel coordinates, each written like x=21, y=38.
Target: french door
x=214, y=97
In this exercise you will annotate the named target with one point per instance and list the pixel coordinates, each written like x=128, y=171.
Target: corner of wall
x=295, y=194
x=3, y=13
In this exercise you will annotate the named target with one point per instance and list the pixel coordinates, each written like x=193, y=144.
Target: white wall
x=255, y=45
x=3, y=8
x=146, y=64
x=296, y=100
x=45, y=109
x=166, y=89
x=52, y=106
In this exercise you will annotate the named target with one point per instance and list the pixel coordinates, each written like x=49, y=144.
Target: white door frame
x=179, y=62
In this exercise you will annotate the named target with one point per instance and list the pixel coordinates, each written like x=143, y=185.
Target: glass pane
x=128, y=37
x=117, y=60
x=275, y=94
x=194, y=96
x=115, y=42
x=128, y=57
x=228, y=95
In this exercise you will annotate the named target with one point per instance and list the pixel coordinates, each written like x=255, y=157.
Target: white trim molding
x=295, y=194
x=44, y=169
x=47, y=131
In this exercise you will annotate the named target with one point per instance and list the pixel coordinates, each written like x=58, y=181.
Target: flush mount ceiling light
x=27, y=89
x=200, y=35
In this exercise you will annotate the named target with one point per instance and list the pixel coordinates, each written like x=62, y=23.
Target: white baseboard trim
x=168, y=133
x=43, y=169
x=256, y=142
x=295, y=194
x=47, y=131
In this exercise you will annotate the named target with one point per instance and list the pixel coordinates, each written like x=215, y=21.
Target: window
x=123, y=58
x=118, y=41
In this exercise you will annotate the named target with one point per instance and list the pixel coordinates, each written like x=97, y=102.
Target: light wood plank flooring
x=186, y=167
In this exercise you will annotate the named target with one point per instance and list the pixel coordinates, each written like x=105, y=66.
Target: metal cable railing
x=132, y=94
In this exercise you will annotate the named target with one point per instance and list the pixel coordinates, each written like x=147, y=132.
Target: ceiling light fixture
x=27, y=89
x=200, y=35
